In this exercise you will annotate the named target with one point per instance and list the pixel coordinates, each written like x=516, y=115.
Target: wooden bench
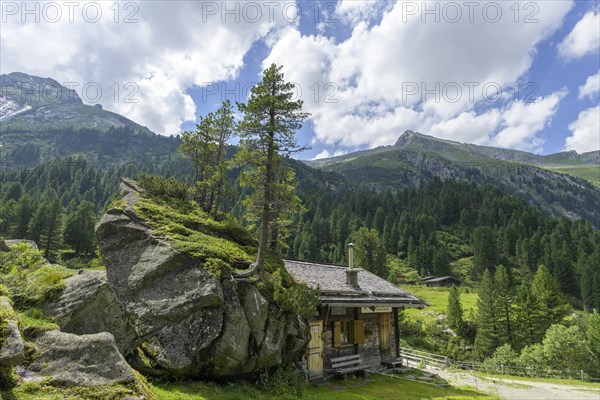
x=346, y=365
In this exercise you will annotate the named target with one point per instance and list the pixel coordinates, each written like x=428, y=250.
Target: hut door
x=315, y=350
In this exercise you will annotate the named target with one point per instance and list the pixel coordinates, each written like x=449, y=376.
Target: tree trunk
x=267, y=199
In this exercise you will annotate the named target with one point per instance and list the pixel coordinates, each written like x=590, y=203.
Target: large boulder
x=191, y=323
x=80, y=360
x=88, y=305
x=11, y=343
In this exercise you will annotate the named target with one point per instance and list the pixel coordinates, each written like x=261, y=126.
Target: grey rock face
x=189, y=322
x=80, y=360
x=12, y=348
x=88, y=305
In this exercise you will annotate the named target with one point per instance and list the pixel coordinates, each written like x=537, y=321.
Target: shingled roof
x=331, y=281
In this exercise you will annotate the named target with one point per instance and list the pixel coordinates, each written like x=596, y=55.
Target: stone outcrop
x=80, y=360
x=88, y=305
x=190, y=322
x=11, y=347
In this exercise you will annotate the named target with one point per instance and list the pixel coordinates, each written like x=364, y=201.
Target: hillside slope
x=416, y=158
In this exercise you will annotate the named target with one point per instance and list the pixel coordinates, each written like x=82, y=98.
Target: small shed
x=357, y=315
x=442, y=281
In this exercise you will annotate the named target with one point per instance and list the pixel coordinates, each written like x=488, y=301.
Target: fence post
x=582, y=375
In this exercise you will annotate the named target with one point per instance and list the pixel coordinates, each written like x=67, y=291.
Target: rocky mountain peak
x=35, y=91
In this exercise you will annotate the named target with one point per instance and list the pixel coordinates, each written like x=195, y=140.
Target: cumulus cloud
x=590, y=88
x=163, y=51
x=326, y=154
x=584, y=39
x=402, y=73
x=585, y=132
x=522, y=121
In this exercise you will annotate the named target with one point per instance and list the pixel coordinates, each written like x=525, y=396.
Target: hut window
x=346, y=332
x=342, y=333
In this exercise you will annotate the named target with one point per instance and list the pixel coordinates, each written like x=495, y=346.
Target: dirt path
x=522, y=390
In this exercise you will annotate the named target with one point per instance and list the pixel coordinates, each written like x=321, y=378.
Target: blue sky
x=381, y=67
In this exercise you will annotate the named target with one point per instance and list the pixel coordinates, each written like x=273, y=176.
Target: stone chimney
x=351, y=273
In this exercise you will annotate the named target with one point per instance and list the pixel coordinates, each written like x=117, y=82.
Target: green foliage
x=369, y=251
x=284, y=382
x=29, y=279
x=279, y=287
x=485, y=253
x=47, y=226
x=454, y=311
x=33, y=322
x=486, y=340
x=547, y=292
x=400, y=272
x=565, y=348
x=271, y=117
x=159, y=186
x=205, y=148
x=504, y=358
x=593, y=337
x=79, y=230
x=530, y=317
x=504, y=306
x=194, y=232
x=532, y=359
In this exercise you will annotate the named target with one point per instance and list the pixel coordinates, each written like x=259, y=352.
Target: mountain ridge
x=33, y=103
x=412, y=139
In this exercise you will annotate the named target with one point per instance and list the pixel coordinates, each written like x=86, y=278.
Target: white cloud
x=467, y=127
x=522, y=121
x=373, y=70
x=590, y=88
x=355, y=11
x=584, y=39
x=178, y=45
x=327, y=154
x=585, y=132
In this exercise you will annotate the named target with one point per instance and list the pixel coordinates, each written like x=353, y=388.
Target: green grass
x=33, y=322
x=44, y=391
x=376, y=387
x=438, y=297
x=588, y=172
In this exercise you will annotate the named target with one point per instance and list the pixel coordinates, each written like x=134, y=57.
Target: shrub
x=284, y=382
x=159, y=186
x=503, y=360
x=532, y=359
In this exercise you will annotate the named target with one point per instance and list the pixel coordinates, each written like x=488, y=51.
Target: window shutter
x=358, y=332
x=337, y=330
x=384, y=330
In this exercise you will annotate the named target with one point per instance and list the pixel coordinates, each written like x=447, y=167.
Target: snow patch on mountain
x=9, y=108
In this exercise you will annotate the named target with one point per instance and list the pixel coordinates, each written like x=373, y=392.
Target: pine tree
x=485, y=253
x=369, y=251
x=547, y=292
x=79, y=230
x=200, y=147
x=224, y=129
x=504, y=303
x=454, y=311
x=486, y=340
x=529, y=318
x=267, y=132
x=46, y=227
